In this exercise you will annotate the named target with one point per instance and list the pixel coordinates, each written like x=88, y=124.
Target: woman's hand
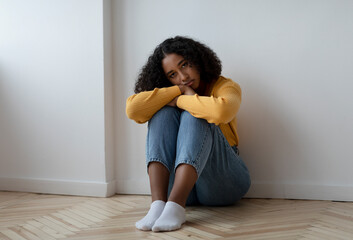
x=173, y=103
x=185, y=90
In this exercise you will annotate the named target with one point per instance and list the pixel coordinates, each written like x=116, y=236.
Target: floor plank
x=50, y=217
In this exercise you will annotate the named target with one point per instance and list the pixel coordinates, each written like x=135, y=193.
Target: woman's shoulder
x=223, y=82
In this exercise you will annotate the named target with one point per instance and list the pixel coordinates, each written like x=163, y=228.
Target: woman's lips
x=189, y=83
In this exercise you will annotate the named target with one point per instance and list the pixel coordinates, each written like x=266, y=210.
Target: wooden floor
x=40, y=216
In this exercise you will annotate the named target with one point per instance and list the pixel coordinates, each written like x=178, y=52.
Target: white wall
x=53, y=98
x=293, y=60
x=66, y=70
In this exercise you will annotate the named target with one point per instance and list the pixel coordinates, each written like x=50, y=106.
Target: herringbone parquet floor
x=49, y=217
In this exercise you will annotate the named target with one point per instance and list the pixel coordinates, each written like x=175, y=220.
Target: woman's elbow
x=134, y=115
x=222, y=117
x=130, y=114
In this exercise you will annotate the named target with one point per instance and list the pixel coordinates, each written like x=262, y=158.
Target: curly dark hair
x=199, y=55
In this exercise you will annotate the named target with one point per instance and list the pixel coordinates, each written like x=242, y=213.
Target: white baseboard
x=263, y=190
x=50, y=186
x=133, y=187
x=141, y=186
x=301, y=191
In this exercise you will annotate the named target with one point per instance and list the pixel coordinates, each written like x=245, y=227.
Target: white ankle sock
x=153, y=214
x=171, y=219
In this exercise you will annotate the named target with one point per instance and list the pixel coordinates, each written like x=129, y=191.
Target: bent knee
x=188, y=117
x=166, y=113
x=185, y=114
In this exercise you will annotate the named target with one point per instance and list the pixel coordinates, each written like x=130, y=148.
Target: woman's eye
x=172, y=75
x=184, y=64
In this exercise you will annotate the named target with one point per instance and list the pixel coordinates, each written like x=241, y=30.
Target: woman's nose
x=183, y=77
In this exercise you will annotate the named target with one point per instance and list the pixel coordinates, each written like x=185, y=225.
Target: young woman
x=191, y=150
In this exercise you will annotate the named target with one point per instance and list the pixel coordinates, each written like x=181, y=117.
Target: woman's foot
x=173, y=216
x=153, y=214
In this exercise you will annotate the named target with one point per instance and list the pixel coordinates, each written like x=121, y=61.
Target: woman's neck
x=201, y=90
x=205, y=88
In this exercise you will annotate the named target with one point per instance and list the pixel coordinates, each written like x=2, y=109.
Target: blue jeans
x=176, y=137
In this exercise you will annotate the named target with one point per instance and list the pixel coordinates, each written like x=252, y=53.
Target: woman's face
x=180, y=72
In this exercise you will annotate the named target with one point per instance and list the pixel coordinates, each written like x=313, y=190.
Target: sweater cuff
x=175, y=90
x=181, y=100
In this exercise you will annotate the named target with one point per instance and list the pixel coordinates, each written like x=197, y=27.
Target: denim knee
x=166, y=112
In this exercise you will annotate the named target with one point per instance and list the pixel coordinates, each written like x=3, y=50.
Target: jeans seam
x=226, y=142
x=147, y=142
x=199, y=153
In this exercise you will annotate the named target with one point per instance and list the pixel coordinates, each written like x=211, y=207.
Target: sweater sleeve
x=221, y=107
x=142, y=106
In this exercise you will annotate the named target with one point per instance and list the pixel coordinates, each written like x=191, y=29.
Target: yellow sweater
x=219, y=107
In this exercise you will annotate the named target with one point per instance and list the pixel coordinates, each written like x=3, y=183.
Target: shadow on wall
x=10, y=134
x=120, y=83
x=269, y=139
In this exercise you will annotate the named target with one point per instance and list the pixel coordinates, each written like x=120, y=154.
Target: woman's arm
x=221, y=107
x=142, y=106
